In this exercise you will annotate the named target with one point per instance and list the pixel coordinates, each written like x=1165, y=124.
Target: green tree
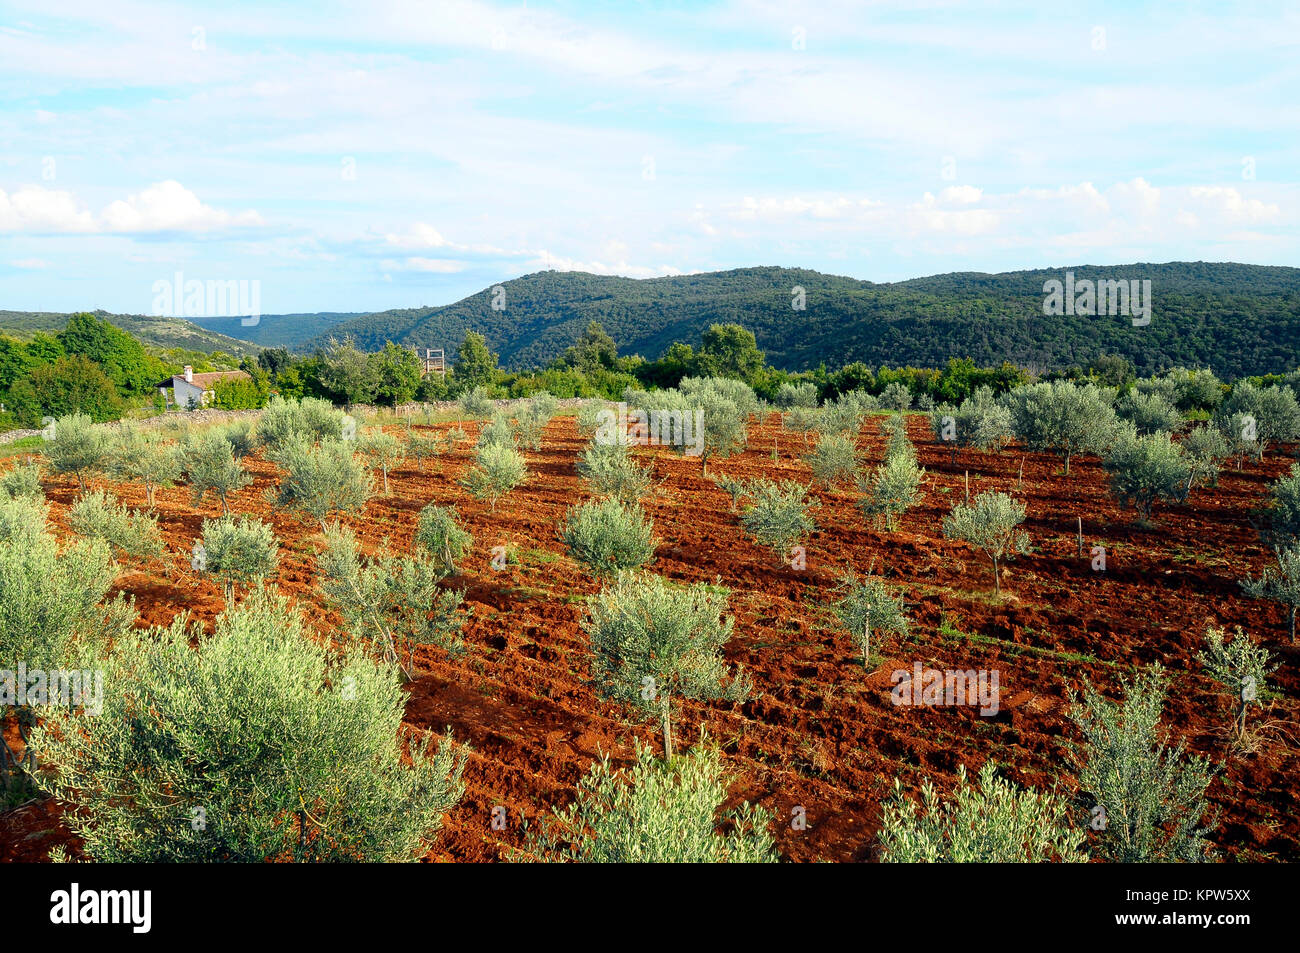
x=868, y=606
x=1282, y=585
x=497, y=470
x=438, y=533
x=145, y=457
x=210, y=465
x=729, y=350
x=475, y=365
x=991, y=525
x=778, y=516
x=322, y=480
x=1146, y=469
x=593, y=351
x=1242, y=667
x=122, y=358
x=70, y=385
x=78, y=446
x=396, y=373
x=1062, y=417
x=607, y=536
x=238, y=552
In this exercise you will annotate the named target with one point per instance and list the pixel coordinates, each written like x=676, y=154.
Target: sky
x=392, y=153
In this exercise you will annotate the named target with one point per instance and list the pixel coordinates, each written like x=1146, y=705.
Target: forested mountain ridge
x=1237, y=319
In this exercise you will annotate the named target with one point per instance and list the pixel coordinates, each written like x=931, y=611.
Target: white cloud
x=164, y=207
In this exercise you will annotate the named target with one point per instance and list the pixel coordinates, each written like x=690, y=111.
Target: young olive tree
x=610, y=471
x=532, y=418
x=237, y=552
x=1280, y=517
x=992, y=525
x=310, y=419
x=22, y=481
x=438, y=533
x=653, y=641
x=253, y=744
x=144, y=457
x=95, y=515
x=210, y=465
x=498, y=469
x=778, y=516
x=1281, y=584
x=1242, y=667
x=1149, y=413
x=383, y=451
x=1145, y=470
x=891, y=489
x=735, y=487
x=993, y=821
x=868, y=606
x=1204, y=449
x=323, y=480
x=1062, y=417
x=607, y=536
x=79, y=446
x=834, y=460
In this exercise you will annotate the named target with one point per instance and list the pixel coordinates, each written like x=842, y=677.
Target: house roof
x=205, y=381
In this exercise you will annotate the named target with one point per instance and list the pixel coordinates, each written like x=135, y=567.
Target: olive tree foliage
x=656, y=812
x=1149, y=413
x=844, y=414
x=392, y=603
x=384, y=451
x=22, y=480
x=1254, y=418
x=54, y=613
x=323, y=480
x=498, y=431
x=653, y=641
x=477, y=402
x=1062, y=417
x=737, y=488
x=241, y=434
x=990, y=524
x=779, y=515
x=143, y=456
x=1279, y=518
x=497, y=470
x=1188, y=390
x=439, y=534
x=610, y=471
x=868, y=606
x=607, y=536
x=801, y=394
x=896, y=397
x=1148, y=799
x=531, y=418
x=834, y=459
x=310, y=419
x=78, y=446
x=254, y=744
x=240, y=552
x=1241, y=667
x=980, y=421
x=210, y=466
x=1281, y=584
x=1204, y=449
x=991, y=821
x=96, y=515
x=803, y=420
x=893, y=487
x=1143, y=470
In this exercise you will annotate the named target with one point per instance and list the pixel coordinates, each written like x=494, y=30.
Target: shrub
x=834, y=460
x=896, y=397
x=610, y=471
x=1254, y=417
x=392, y=603
x=867, y=606
x=384, y=451
x=589, y=416
x=891, y=489
x=499, y=431
x=322, y=480
x=423, y=446
x=1149, y=413
x=653, y=641
x=1204, y=448
x=658, y=812
x=498, y=470
x=992, y=821
x=802, y=394
x=991, y=525
x=210, y=464
x=476, y=402
x=253, y=745
x=721, y=429
x=1241, y=666
x=22, y=480
x=1280, y=518
x=96, y=516
x=311, y=418
x=1149, y=800
x=79, y=446
x=144, y=457
x=735, y=487
x=607, y=536
x=843, y=415
x=532, y=417
x=453, y=437
x=778, y=516
x=1062, y=417
x=1281, y=585
x=1144, y=470
x=439, y=534
x=240, y=552
x=241, y=436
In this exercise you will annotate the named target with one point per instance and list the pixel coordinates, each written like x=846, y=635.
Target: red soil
x=818, y=731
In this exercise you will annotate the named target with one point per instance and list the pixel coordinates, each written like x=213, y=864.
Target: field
x=819, y=731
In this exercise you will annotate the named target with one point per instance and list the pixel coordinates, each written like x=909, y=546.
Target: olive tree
x=607, y=536
x=144, y=457
x=438, y=533
x=383, y=451
x=78, y=446
x=1146, y=469
x=1242, y=667
x=868, y=606
x=778, y=515
x=1280, y=584
x=992, y=525
x=497, y=470
x=833, y=460
x=96, y=515
x=610, y=470
x=237, y=552
x=1062, y=417
x=322, y=480
x=210, y=465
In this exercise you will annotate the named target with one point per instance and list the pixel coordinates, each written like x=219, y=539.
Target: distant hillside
x=1237, y=319
x=291, y=331
x=151, y=331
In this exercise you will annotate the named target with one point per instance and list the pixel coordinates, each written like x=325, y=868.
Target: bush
x=802, y=394
x=240, y=552
x=1149, y=801
x=1144, y=470
x=323, y=480
x=896, y=397
x=778, y=516
x=210, y=464
x=477, y=402
x=607, y=536
x=498, y=470
x=1204, y=449
x=993, y=821
x=96, y=516
x=867, y=606
x=144, y=457
x=892, y=489
x=423, y=446
x=254, y=745
x=1149, y=413
x=311, y=418
x=438, y=533
x=1062, y=417
x=991, y=525
x=1241, y=667
x=803, y=420
x=834, y=460
x=843, y=415
x=79, y=446
x=392, y=603
x=22, y=481
x=241, y=435
x=611, y=472
x=735, y=487
x=659, y=812
x=1282, y=585
x=589, y=416
x=1253, y=417
x=1280, y=517
x=382, y=450
x=653, y=641
x=499, y=432
x=532, y=417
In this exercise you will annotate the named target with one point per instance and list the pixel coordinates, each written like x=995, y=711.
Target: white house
x=196, y=390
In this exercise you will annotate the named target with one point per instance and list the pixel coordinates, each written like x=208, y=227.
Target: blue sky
x=392, y=153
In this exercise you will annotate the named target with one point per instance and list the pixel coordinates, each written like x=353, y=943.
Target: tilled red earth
x=820, y=731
